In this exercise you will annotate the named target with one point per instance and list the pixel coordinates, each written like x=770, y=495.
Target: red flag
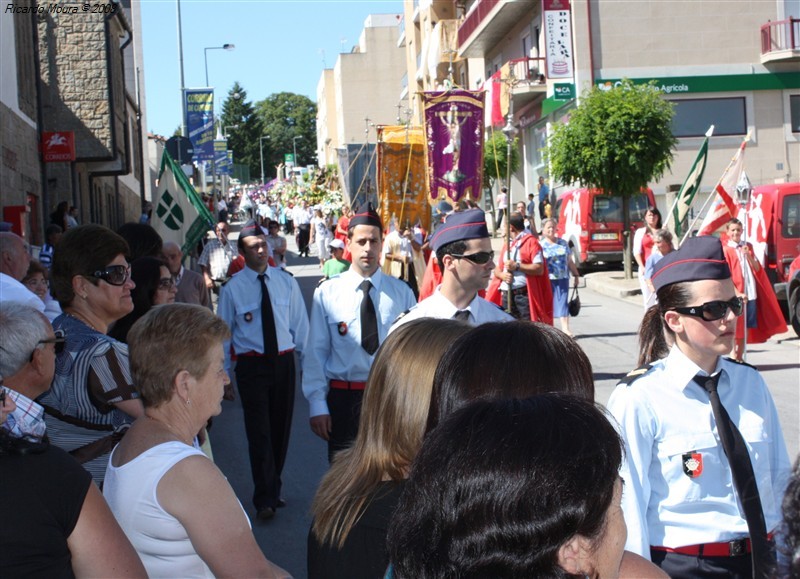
x=725, y=207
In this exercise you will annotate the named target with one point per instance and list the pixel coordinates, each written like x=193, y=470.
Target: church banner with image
x=454, y=144
x=402, y=185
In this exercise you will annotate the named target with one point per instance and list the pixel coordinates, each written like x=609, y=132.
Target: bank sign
x=718, y=83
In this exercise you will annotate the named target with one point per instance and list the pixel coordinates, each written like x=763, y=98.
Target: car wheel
x=794, y=308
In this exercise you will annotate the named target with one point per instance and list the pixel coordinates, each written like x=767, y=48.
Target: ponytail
x=655, y=337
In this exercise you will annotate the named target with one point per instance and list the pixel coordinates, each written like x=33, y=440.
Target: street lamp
x=294, y=147
x=225, y=130
x=261, y=152
x=205, y=53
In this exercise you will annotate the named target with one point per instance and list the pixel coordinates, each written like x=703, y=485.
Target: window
x=794, y=112
x=608, y=209
x=790, y=220
x=694, y=116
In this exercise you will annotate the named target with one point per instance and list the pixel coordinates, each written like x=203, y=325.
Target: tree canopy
x=495, y=158
x=284, y=116
x=243, y=128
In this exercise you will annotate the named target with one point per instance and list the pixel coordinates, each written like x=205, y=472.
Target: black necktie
x=461, y=315
x=267, y=320
x=744, y=479
x=369, y=321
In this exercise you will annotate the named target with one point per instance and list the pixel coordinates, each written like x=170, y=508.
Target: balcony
x=531, y=81
x=488, y=22
x=780, y=41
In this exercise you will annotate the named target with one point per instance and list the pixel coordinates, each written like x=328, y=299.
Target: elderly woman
x=92, y=400
x=559, y=266
x=174, y=504
x=55, y=522
x=155, y=286
x=357, y=496
x=513, y=488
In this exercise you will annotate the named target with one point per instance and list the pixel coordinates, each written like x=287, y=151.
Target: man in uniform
x=464, y=252
x=191, y=286
x=264, y=309
x=216, y=258
x=350, y=317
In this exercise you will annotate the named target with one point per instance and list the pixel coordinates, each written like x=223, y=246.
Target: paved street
x=606, y=329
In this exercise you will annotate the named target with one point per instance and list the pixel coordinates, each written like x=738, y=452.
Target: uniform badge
x=342, y=327
x=692, y=464
x=248, y=317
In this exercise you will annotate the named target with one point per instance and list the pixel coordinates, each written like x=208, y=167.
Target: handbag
x=574, y=304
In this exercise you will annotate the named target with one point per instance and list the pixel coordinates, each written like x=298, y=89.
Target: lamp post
x=294, y=147
x=205, y=53
x=261, y=153
x=510, y=131
x=225, y=130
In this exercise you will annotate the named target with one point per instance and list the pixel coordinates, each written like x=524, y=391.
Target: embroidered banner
x=454, y=144
x=402, y=186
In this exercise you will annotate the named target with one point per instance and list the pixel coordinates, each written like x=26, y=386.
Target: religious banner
x=558, y=38
x=200, y=121
x=454, y=144
x=402, y=185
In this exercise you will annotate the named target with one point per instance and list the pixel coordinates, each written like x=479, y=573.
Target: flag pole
x=745, y=223
x=678, y=197
x=714, y=190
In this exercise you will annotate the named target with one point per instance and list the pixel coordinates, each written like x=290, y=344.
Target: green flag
x=178, y=212
x=690, y=185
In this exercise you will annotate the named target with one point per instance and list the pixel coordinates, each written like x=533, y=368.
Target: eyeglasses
x=711, y=311
x=113, y=274
x=58, y=340
x=479, y=258
x=166, y=283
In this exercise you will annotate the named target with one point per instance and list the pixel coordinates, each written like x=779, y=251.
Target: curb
x=606, y=283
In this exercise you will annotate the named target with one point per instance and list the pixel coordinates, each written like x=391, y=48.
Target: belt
x=518, y=291
x=346, y=385
x=735, y=548
x=253, y=354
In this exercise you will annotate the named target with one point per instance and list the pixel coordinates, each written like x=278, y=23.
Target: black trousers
x=520, y=306
x=267, y=391
x=345, y=409
x=679, y=566
x=302, y=238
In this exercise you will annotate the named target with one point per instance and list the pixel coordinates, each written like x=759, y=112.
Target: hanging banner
x=200, y=121
x=221, y=157
x=402, y=181
x=558, y=38
x=454, y=144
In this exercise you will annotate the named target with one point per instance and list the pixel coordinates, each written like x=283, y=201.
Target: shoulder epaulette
x=403, y=315
x=634, y=375
x=740, y=362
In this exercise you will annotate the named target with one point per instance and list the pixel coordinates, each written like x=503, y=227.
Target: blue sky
x=280, y=46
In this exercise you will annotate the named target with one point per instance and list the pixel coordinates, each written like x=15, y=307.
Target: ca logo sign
x=170, y=212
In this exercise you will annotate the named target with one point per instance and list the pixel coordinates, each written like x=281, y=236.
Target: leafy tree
x=495, y=161
x=616, y=140
x=283, y=116
x=242, y=140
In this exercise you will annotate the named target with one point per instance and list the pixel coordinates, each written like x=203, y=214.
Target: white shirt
x=334, y=348
x=217, y=257
x=301, y=216
x=665, y=415
x=240, y=307
x=747, y=272
x=519, y=277
x=438, y=306
x=13, y=291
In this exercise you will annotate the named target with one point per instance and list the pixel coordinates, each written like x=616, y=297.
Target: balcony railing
x=529, y=71
x=780, y=36
x=473, y=20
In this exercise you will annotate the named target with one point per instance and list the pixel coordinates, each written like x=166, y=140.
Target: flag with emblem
x=178, y=212
x=691, y=185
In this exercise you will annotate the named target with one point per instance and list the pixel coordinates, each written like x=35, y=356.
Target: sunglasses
x=479, y=258
x=58, y=341
x=166, y=283
x=113, y=274
x=711, y=311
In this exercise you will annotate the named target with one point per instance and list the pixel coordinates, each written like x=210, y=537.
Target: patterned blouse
x=556, y=256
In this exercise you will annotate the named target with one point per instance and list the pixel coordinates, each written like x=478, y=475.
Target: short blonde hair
x=167, y=340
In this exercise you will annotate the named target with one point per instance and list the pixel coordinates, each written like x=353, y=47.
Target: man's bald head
x=173, y=256
x=14, y=256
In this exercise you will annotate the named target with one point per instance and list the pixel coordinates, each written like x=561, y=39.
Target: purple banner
x=454, y=144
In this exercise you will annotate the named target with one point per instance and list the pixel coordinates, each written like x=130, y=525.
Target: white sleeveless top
x=159, y=538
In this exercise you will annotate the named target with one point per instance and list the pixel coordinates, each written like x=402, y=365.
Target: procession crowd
x=461, y=427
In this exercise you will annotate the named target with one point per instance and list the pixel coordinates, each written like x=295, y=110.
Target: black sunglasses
x=711, y=311
x=479, y=258
x=58, y=341
x=113, y=274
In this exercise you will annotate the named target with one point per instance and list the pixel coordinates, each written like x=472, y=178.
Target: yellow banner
x=402, y=180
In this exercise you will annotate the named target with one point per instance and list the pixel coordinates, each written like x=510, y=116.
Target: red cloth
x=237, y=264
x=769, y=318
x=647, y=245
x=540, y=292
x=431, y=279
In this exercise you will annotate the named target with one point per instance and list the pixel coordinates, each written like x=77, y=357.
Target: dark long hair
x=655, y=337
x=500, y=485
x=145, y=273
x=657, y=213
x=10, y=444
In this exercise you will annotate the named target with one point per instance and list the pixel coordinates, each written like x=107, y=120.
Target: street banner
x=179, y=214
x=221, y=157
x=725, y=207
x=557, y=22
x=690, y=186
x=200, y=121
x=454, y=144
x=402, y=180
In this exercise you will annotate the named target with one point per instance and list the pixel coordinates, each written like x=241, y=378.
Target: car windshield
x=608, y=208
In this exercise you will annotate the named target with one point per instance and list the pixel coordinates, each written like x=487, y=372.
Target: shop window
x=794, y=112
x=694, y=116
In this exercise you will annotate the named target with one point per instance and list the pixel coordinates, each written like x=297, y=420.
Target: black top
x=364, y=555
x=42, y=496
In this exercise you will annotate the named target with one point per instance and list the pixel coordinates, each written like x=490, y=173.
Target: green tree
x=283, y=116
x=243, y=139
x=617, y=140
x=495, y=161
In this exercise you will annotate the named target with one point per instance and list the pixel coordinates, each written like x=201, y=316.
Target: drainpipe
x=591, y=42
x=44, y=206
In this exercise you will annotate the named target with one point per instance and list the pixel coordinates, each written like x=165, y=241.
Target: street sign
x=288, y=158
x=180, y=149
x=58, y=147
x=563, y=91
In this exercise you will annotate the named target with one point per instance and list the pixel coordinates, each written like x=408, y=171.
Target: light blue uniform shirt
x=240, y=307
x=334, y=348
x=665, y=415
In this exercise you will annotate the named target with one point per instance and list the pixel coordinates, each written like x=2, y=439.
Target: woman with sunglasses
x=155, y=286
x=706, y=459
x=92, y=400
